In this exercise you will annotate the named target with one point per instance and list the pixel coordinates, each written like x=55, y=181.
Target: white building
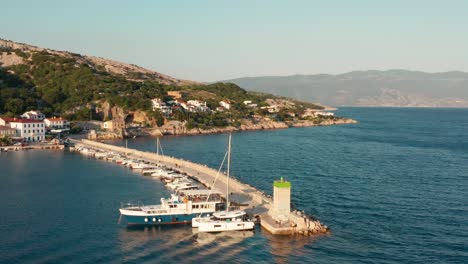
x=196, y=103
x=182, y=103
x=157, y=103
x=28, y=129
x=271, y=108
x=314, y=113
x=226, y=104
x=161, y=106
x=248, y=103
x=34, y=115
x=56, y=123
x=197, y=106
x=324, y=114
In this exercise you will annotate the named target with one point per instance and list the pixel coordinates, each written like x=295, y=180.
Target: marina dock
x=253, y=201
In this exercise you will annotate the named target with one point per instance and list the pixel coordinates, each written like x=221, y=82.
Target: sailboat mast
x=228, y=173
x=157, y=146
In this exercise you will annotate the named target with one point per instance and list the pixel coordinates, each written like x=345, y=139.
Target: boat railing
x=131, y=205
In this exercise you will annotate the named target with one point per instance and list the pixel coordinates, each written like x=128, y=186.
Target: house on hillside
x=56, y=123
x=158, y=104
x=176, y=94
x=226, y=104
x=324, y=114
x=249, y=103
x=197, y=106
x=271, y=108
x=34, y=115
x=314, y=113
x=182, y=103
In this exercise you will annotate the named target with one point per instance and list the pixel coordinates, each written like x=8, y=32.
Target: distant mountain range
x=398, y=88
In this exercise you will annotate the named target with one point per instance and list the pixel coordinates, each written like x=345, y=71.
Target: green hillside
x=68, y=84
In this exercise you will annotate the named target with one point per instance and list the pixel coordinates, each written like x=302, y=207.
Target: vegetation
x=65, y=85
x=5, y=141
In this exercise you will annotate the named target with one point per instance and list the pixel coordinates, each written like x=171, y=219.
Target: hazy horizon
x=215, y=40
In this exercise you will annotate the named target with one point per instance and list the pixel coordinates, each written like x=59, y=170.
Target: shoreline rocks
x=309, y=123
x=177, y=128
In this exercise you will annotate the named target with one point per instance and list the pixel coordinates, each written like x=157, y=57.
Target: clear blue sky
x=215, y=40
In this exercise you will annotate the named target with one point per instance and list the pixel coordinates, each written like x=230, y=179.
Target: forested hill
x=58, y=82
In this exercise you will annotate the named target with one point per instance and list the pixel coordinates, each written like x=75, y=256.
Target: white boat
x=187, y=187
x=100, y=155
x=171, y=176
x=227, y=220
x=140, y=166
x=184, y=186
x=224, y=221
x=179, y=182
x=151, y=171
x=179, y=209
x=160, y=174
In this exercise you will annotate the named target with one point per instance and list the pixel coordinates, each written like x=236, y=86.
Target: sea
x=392, y=189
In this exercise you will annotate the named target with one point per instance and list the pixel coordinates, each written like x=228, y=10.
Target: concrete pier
x=247, y=197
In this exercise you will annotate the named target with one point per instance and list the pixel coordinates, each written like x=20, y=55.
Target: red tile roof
x=23, y=120
x=8, y=119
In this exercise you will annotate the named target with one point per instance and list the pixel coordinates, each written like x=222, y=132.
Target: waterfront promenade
x=247, y=197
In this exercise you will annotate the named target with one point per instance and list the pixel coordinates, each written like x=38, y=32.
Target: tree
x=15, y=106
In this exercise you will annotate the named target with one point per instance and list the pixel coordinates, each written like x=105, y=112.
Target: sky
x=218, y=40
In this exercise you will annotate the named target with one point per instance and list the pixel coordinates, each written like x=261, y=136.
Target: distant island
x=116, y=99
x=392, y=88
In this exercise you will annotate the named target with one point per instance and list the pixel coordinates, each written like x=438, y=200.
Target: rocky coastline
x=177, y=128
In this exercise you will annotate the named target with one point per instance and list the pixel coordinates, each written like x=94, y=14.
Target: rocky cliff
x=108, y=112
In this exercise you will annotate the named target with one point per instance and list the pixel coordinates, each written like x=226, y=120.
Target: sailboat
x=235, y=220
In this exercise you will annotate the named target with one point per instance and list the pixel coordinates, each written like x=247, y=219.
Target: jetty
x=274, y=213
x=28, y=147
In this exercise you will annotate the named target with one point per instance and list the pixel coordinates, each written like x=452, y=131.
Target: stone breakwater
x=250, y=199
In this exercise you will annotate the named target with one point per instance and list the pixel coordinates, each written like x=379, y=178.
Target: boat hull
x=159, y=219
x=222, y=226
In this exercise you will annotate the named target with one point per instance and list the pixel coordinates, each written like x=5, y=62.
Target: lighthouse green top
x=282, y=183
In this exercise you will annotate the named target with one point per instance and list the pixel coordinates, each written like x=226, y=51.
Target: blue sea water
x=393, y=189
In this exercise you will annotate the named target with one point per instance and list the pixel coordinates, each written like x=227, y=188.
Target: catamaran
x=228, y=220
